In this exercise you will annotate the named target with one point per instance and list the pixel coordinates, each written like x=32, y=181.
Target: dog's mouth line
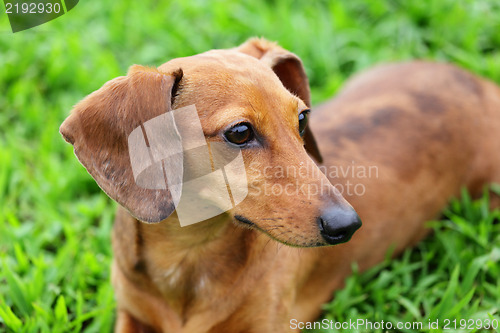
x=246, y=221
x=254, y=226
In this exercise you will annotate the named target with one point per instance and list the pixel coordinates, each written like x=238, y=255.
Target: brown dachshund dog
x=397, y=142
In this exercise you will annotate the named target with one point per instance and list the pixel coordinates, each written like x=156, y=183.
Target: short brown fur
x=425, y=127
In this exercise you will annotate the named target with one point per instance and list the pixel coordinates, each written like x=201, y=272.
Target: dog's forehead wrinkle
x=280, y=113
x=234, y=84
x=222, y=103
x=227, y=87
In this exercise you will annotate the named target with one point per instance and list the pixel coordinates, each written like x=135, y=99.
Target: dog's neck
x=193, y=266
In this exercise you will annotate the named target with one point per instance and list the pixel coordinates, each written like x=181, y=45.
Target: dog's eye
x=303, y=122
x=239, y=134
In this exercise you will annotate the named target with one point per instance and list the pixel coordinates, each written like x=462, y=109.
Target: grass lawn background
x=55, y=222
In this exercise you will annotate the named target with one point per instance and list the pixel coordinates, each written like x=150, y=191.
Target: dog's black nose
x=338, y=224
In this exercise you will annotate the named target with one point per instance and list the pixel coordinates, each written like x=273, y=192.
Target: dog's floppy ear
x=100, y=128
x=288, y=67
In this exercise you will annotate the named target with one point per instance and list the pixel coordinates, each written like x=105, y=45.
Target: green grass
x=452, y=275
x=55, y=222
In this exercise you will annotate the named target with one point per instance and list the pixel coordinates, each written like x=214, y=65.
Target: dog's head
x=251, y=103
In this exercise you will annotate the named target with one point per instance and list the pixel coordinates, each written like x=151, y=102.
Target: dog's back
x=399, y=141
